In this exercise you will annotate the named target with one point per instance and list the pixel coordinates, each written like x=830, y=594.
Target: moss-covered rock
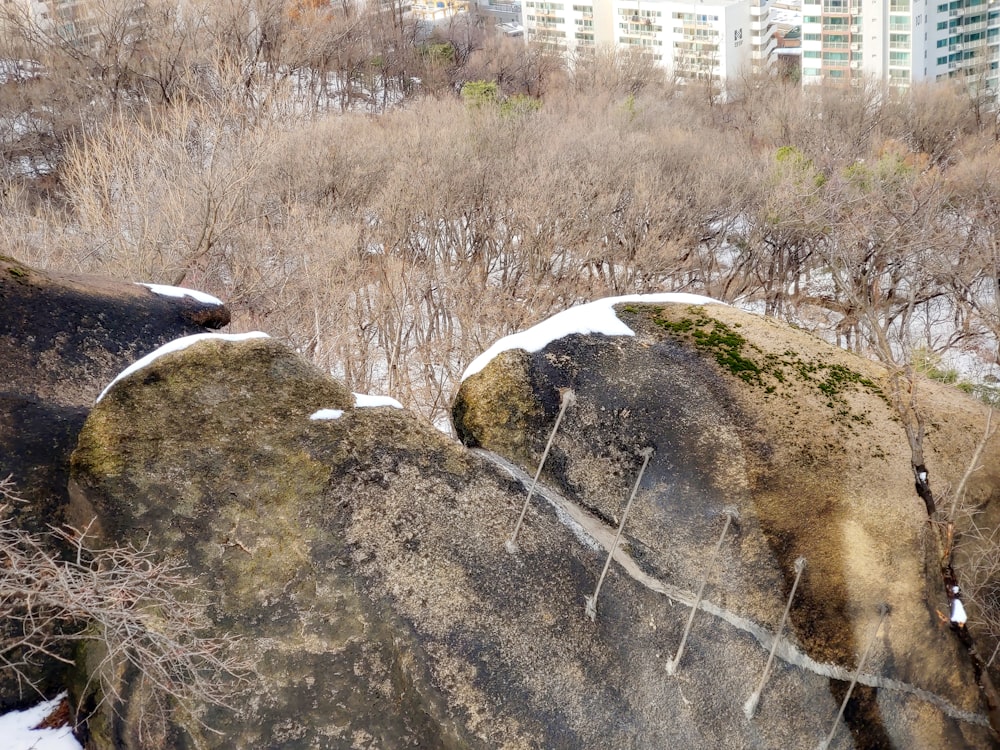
x=361, y=559
x=211, y=455
x=800, y=437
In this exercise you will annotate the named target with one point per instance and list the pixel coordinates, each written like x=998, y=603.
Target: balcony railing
x=842, y=8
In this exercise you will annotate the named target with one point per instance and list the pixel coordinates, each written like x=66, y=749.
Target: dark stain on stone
x=862, y=716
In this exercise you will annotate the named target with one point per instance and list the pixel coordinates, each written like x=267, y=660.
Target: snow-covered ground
x=364, y=401
x=361, y=401
x=179, y=292
x=18, y=730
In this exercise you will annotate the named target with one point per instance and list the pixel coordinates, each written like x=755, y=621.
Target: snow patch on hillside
x=17, y=729
x=364, y=401
x=327, y=414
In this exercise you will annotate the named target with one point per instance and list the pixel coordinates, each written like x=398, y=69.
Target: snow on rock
x=175, y=346
x=958, y=615
x=327, y=414
x=363, y=400
x=177, y=291
x=593, y=317
x=17, y=730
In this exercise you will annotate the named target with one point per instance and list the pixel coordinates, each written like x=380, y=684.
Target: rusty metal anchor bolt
x=732, y=514
x=567, y=397
x=750, y=707
x=591, y=608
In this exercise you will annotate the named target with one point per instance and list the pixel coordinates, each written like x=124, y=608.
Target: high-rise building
x=70, y=20
x=901, y=42
x=706, y=39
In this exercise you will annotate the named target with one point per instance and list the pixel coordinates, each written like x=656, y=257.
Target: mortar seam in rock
x=788, y=653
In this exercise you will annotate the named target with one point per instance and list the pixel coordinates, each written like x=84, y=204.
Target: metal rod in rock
x=994, y=656
x=591, y=609
x=568, y=397
x=750, y=707
x=854, y=681
x=731, y=513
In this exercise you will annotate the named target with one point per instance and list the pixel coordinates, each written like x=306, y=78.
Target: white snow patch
x=327, y=414
x=958, y=615
x=17, y=730
x=179, y=291
x=593, y=317
x=363, y=400
x=175, y=346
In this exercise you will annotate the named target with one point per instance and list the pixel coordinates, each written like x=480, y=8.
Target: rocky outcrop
x=801, y=438
x=361, y=555
x=62, y=338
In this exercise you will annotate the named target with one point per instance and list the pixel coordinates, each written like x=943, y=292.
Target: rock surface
x=802, y=440
x=63, y=337
x=363, y=558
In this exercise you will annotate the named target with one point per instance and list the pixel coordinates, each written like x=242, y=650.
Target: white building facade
x=715, y=39
x=901, y=42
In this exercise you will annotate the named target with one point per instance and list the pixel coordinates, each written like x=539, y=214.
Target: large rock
x=362, y=560
x=799, y=437
x=62, y=338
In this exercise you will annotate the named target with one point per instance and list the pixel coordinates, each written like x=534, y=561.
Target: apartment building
x=71, y=20
x=901, y=42
x=707, y=39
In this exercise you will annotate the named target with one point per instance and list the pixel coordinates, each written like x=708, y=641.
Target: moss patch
x=742, y=359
